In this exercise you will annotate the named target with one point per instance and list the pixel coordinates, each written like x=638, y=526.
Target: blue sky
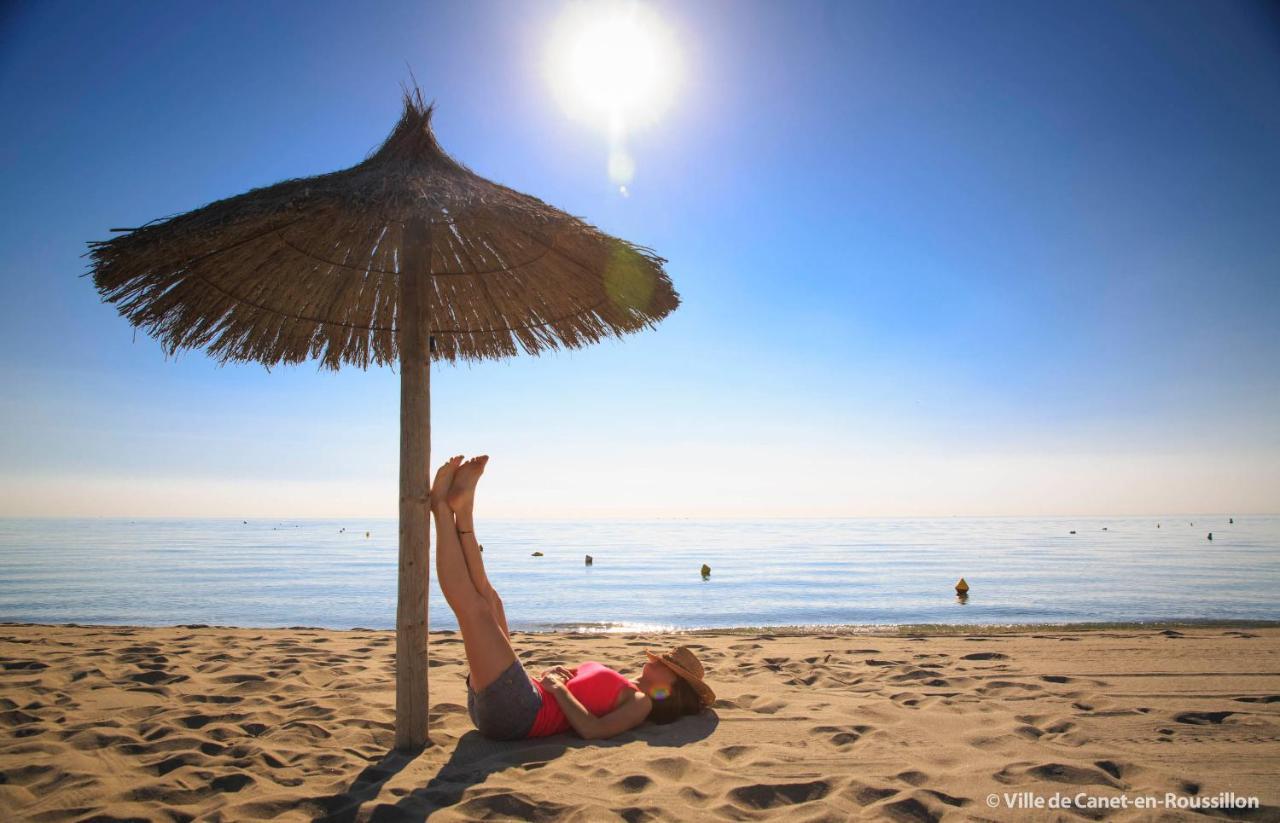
x=935, y=259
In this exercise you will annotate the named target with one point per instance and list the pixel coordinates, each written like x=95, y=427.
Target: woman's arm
x=627, y=716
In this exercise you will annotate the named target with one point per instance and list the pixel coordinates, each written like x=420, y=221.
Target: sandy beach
x=209, y=723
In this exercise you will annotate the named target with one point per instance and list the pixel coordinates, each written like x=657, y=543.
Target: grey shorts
x=507, y=707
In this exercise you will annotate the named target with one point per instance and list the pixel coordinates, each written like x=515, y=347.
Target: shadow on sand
x=474, y=758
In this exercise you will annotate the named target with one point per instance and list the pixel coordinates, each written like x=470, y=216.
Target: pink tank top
x=595, y=685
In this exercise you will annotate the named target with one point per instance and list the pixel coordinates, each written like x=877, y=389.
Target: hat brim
x=705, y=693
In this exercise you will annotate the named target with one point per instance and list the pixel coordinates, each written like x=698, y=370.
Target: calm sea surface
x=646, y=574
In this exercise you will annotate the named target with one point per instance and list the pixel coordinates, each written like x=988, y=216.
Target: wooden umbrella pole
x=415, y=508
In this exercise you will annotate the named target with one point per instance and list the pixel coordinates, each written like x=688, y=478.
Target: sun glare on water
x=614, y=65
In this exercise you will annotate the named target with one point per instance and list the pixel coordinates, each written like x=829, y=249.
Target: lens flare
x=622, y=167
x=627, y=283
x=660, y=693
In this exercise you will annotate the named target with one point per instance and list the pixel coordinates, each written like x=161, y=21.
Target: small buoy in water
x=1231, y=520
x=1157, y=525
x=1210, y=535
x=246, y=522
x=588, y=560
x=706, y=571
x=962, y=587
x=1104, y=528
x=536, y=554
x=1073, y=531
x=366, y=535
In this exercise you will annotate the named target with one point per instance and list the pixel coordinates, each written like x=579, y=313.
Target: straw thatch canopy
x=310, y=267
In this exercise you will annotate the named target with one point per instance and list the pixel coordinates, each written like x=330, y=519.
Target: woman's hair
x=682, y=700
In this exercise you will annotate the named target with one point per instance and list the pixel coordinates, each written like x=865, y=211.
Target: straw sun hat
x=685, y=663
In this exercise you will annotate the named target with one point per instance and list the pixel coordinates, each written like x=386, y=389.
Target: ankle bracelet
x=460, y=531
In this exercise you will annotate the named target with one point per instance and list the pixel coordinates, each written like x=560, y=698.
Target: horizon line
x=537, y=518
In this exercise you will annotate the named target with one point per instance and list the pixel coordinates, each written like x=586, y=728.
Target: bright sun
x=615, y=65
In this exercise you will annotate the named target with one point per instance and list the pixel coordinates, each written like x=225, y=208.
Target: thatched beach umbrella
x=407, y=256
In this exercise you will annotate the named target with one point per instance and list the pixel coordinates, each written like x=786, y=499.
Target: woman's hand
x=555, y=677
x=569, y=673
x=553, y=680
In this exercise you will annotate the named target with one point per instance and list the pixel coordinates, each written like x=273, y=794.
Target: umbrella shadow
x=475, y=757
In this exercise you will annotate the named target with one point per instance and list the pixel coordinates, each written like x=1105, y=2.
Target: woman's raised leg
x=488, y=650
x=461, y=498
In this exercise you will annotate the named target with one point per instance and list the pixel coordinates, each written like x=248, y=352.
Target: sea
x=648, y=575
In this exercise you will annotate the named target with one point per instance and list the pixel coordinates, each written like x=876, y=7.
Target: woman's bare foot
x=462, y=493
x=444, y=481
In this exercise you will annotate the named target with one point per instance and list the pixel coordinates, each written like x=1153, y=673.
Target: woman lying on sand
x=506, y=703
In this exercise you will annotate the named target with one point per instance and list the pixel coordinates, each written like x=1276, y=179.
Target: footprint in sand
x=1067, y=773
x=448, y=708
x=841, y=736
x=912, y=777
x=806, y=680
x=507, y=805
x=865, y=795
x=772, y=795
x=910, y=700
x=199, y=721
x=1000, y=688
x=985, y=656
x=177, y=761
x=1060, y=731
x=673, y=768
x=924, y=677
x=1202, y=718
x=240, y=678
x=640, y=814
x=909, y=810
x=634, y=783
x=694, y=796
x=155, y=673
x=732, y=754
x=754, y=703
x=1119, y=769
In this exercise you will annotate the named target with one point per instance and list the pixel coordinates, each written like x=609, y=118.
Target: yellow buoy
x=962, y=587
x=706, y=570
